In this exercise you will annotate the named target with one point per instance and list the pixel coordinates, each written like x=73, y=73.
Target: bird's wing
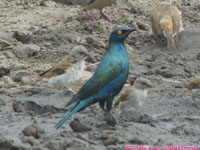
x=57, y=69
x=106, y=72
x=123, y=97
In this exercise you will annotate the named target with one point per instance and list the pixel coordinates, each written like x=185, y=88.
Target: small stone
x=19, y=75
x=53, y=145
x=142, y=26
x=4, y=71
x=112, y=140
x=33, y=130
x=137, y=141
x=76, y=144
x=113, y=147
x=18, y=66
x=2, y=102
x=26, y=50
x=2, y=56
x=8, y=81
x=22, y=36
x=3, y=44
x=29, y=140
x=17, y=107
x=26, y=80
x=1, y=84
x=47, y=44
x=9, y=54
x=198, y=56
x=78, y=126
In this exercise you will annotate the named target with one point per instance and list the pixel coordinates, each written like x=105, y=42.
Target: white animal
x=69, y=70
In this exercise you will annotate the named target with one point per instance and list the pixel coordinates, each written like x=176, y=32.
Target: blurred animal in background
x=108, y=79
x=69, y=70
x=166, y=21
x=134, y=96
x=91, y=4
x=194, y=86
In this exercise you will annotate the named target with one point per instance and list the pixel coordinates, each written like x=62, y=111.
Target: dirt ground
x=34, y=35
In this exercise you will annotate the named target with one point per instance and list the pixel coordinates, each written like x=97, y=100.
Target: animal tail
x=79, y=107
x=74, y=99
x=76, y=108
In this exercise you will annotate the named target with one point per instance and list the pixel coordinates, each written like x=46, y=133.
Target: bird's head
x=120, y=34
x=79, y=53
x=142, y=83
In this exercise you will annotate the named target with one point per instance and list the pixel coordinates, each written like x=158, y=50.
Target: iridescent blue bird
x=108, y=79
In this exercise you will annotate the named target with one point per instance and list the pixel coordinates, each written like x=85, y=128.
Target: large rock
x=26, y=50
x=4, y=44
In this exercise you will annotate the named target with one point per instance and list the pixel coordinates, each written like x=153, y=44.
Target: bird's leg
x=113, y=118
x=92, y=110
x=106, y=16
x=106, y=112
x=110, y=116
x=101, y=104
x=92, y=17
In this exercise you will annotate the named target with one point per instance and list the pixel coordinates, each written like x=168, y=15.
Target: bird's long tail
x=76, y=108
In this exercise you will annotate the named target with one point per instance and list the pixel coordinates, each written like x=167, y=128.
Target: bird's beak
x=87, y=54
x=132, y=29
x=89, y=57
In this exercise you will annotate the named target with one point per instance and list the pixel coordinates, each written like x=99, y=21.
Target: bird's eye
x=119, y=32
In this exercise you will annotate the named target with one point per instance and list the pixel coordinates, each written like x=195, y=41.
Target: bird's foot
x=115, y=121
x=106, y=16
x=92, y=18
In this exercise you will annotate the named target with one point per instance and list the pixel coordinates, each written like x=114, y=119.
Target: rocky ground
x=34, y=35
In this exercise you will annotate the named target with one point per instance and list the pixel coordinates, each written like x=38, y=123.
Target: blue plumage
x=108, y=79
